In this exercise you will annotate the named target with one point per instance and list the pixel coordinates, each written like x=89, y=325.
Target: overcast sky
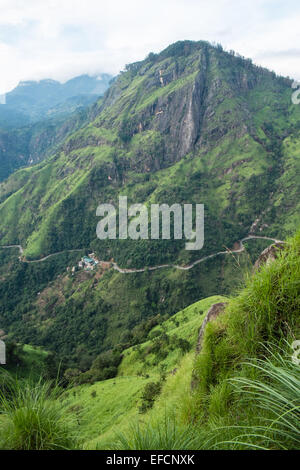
x=60, y=39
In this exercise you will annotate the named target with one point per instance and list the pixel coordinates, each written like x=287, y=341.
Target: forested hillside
x=193, y=124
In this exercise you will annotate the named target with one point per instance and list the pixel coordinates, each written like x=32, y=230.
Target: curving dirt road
x=190, y=266
x=152, y=268
x=13, y=246
x=52, y=254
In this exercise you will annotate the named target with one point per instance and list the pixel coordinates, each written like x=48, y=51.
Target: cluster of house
x=88, y=262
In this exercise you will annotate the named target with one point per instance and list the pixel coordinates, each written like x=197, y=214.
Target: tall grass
x=33, y=418
x=275, y=399
x=166, y=434
x=265, y=311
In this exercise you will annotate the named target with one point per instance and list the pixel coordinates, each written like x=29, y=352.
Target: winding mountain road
x=152, y=268
x=201, y=260
x=13, y=246
x=52, y=254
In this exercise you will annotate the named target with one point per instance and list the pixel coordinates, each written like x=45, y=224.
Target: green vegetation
x=275, y=396
x=232, y=404
x=167, y=343
x=237, y=152
x=79, y=317
x=25, y=361
x=110, y=405
x=32, y=418
x=266, y=311
x=162, y=436
x=191, y=124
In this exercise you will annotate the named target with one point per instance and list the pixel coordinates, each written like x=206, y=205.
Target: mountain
x=33, y=101
x=33, y=117
x=192, y=124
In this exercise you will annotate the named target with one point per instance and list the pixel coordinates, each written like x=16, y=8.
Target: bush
x=14, y=353
x=104, y=367
x=150, y=392
x=34, y=419
x=168, y=435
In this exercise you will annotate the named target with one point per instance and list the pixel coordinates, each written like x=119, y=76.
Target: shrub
x=34, y=419
x=166, y=435
x=104, y=367
x=150, y=392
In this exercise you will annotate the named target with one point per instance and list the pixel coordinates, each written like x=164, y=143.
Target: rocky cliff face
x=192, y=98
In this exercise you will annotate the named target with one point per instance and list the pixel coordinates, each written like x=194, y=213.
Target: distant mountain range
x=32, y=114
x=32, y=101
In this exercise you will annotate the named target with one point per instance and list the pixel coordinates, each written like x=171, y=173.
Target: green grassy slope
x=266, y=313
x=150, y=355
x=236, y=393
x=108, y=406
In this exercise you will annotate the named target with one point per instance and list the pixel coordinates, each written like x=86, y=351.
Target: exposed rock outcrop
x=214, y=311
x=269, y=255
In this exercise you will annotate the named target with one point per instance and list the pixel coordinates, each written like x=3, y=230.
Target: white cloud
x=63, y=38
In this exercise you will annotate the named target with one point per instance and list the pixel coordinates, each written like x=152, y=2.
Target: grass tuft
x=32, y=418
